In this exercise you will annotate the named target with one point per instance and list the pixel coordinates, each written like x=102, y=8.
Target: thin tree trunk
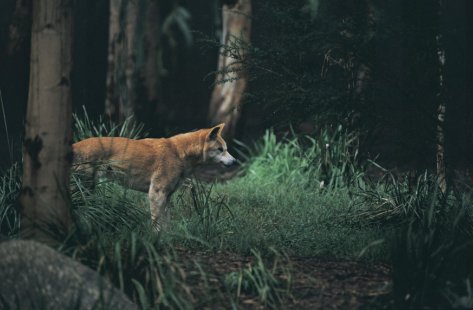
x=151, y=102
x=47, y=144
x=441, y=166
x=121, y=81
x=232, y=80
x=111, y=98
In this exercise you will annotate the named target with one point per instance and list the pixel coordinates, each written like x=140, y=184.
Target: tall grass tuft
x=202, y=211
x=10, y=186
x=328, y=160
x=107, y=209
x=151, y=274
x=432, y=253
x=271, y=285
x=84, y=127
x=394, y=200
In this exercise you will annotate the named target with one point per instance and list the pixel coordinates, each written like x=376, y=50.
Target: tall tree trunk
x=150, y=102
x=441, y=166
x=232, y=79
x=47, y=144
x=121, y=82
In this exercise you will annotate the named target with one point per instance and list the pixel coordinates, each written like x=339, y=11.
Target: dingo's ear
x=215, y=131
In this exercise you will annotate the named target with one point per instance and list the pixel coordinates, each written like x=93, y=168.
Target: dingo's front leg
x=158, y=203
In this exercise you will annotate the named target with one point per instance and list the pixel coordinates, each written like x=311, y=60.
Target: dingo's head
x=215, y=149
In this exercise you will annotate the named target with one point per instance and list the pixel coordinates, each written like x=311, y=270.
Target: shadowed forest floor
x=317, y=283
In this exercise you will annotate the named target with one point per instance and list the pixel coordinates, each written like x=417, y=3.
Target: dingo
x=155, y=166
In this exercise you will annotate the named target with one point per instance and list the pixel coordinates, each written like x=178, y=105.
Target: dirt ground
x=316, y=283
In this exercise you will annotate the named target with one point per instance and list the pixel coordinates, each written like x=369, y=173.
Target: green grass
x=297, y=220
x=432, y=251
x=270, y=283
x=278, y=203
x=10, y=185
x=296, y=196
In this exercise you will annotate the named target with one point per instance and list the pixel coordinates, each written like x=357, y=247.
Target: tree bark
x=121, y=81
x=151, y=101
x=47, y=144
x=441, y=107
x=232, y=79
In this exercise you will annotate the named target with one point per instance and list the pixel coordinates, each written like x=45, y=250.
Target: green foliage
x=84, y=127
x=208, y=209
x=10, y=185
x=367, y=65
x=309, y=75
x=270, y=285
x=106, y=210
x=432, y=251
x=100, y=207
x=278, y=202
x=394, y=201
x=150, y=273
x=303, y=196
x=328, y=160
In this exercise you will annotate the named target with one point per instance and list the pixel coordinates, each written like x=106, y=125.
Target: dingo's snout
x=228, y=160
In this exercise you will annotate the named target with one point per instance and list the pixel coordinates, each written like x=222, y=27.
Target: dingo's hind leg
x=158, y=202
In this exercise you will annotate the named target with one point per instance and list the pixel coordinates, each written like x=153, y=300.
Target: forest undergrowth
x=237, y=243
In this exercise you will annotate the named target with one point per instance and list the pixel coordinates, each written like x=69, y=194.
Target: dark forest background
x=369, y=65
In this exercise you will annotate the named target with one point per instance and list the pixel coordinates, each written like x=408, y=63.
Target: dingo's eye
x=220, y=149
